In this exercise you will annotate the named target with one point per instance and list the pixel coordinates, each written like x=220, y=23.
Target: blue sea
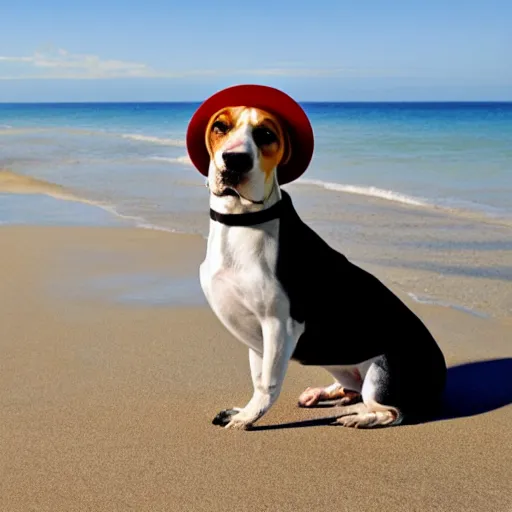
x=423, y=186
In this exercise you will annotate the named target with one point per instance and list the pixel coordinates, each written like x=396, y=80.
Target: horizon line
x=127, y=102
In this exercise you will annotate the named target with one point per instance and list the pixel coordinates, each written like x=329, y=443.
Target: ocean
x=420, y=192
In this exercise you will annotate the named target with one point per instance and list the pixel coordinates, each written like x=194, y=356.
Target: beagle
x=287, y=295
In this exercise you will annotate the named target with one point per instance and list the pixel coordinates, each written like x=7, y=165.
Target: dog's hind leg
x=376, y=392
x=345, y=390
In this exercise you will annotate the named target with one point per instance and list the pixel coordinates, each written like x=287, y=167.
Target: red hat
x=258, y=96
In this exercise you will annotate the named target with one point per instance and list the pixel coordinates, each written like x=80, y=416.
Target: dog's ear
x=287, y=154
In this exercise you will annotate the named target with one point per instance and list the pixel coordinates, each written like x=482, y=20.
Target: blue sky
x=162, y=50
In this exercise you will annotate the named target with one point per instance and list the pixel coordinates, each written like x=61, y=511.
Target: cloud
x=15, y=59
x=61, y=64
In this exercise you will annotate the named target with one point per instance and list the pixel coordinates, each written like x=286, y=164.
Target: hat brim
x=266, y=98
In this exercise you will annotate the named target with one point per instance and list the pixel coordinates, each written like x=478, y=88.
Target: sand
x=107, y=392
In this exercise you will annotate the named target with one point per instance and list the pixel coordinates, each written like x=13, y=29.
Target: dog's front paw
x=232, y=418
x=224, y=417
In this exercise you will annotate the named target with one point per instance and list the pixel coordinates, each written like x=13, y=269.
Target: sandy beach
x=112, y=368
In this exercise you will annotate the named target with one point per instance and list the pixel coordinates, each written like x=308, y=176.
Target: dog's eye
x=263, y=136
x=220, y=127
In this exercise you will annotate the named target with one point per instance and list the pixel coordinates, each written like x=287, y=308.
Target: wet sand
x=110, y=375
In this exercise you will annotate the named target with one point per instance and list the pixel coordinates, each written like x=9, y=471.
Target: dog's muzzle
x=237, y=161
x=237, y=165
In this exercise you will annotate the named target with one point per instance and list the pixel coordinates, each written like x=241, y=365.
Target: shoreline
x=13, y=182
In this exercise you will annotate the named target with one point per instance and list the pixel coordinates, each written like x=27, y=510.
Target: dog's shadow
x=477, y=388
x=471, y=389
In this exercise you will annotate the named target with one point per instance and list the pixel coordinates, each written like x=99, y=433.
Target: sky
x=322, y=50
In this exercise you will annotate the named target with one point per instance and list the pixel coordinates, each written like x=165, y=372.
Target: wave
x=435, y=302
x=154, y=140
x=161, y=141
x=137, y=221
x=468, y=209
x=390, y=195
x=185, y=159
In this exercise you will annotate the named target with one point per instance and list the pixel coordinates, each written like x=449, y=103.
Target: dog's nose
x=237, y=161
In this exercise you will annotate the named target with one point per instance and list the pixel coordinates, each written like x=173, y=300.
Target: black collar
x=250, y=218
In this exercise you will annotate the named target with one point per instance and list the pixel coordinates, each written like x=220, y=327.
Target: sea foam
x=389, y=195
x=162, y=141
x=185, y=159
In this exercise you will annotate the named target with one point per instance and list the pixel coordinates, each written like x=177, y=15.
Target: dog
x=280, y=289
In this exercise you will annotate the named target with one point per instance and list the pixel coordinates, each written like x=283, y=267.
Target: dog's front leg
x=267, y=371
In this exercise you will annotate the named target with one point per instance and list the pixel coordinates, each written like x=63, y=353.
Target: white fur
x=238, y=280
